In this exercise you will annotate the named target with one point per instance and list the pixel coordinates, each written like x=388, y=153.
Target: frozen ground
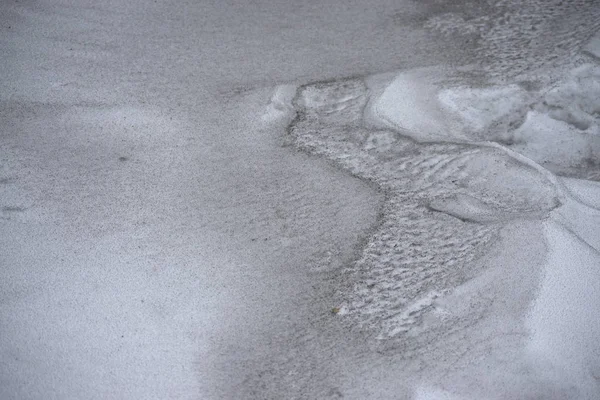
x=436, y=236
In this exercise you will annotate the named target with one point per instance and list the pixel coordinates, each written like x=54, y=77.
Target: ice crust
x=557, y=127
x=460, y=166
x=425, y=240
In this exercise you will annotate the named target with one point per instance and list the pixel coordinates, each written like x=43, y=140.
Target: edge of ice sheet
x=414, y=251
x=341, y=120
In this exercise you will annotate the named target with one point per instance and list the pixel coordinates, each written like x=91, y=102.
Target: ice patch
x=557, y=127
x=415, y=250
x=442, y=150
x=486, y=112
x=280, y=105
x=469, y=208
x=576, y=100
x=546, y=129
x=409, y=105
x=557, y=146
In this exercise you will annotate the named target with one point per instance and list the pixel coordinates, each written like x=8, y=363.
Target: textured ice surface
x=517, y=39
x=426, y=238
x=467, y=160
x=561, y=130
x=556, y=126
x=463, y=166
x=488, y=113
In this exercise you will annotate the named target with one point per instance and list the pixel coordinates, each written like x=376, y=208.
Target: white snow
x=409, y=104
x=425, y=393
x=564, y=319
x=550, y=142
x=154, y=232
x=583, y=191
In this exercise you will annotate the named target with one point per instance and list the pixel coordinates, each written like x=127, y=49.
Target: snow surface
x=437, y=235
x=564, y=322
x=593, y=46
x=478, y=157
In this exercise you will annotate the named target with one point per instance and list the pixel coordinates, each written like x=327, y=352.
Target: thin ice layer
x=557, y=127
x=423, y=247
